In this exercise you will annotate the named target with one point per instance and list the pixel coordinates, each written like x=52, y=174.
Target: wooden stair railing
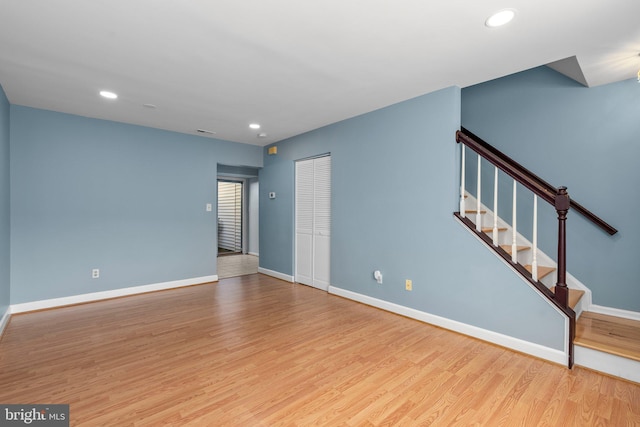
x=557, y=197
x=524, y=176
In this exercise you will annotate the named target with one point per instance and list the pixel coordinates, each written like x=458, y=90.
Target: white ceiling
x=291, y=65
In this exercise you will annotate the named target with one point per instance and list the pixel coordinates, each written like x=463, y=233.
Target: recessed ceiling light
x=500, y=18
x=107, y=94
x=254, y=126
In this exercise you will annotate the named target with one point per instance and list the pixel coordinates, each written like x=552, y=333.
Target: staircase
x=579, y=294
x=610, y=344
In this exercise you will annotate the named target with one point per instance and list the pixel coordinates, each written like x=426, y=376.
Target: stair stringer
x=525, y=257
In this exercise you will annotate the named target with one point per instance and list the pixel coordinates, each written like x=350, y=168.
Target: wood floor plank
x=237, y=265
x=254, y=350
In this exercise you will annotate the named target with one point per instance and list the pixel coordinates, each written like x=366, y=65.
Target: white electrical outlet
x=378, y=276
x=209, y=207
x=95, y=273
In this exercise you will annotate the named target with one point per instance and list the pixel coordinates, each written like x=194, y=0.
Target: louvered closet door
x=313, y=221
x=304, y=222
x=321, y=221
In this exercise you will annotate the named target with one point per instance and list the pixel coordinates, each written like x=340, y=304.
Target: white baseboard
x=608, y=363
x=537, y=350
x=4, y=321
x=276, y=274
x=97, y=296
x=254, y=254
x=625, y=314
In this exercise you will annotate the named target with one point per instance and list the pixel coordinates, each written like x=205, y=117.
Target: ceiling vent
x=210, y=132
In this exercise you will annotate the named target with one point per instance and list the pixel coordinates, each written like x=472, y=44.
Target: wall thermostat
x=272, y=195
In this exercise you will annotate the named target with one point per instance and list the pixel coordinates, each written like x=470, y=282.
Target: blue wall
x=394, y=188
x=4, y=205
x=585, y=139
x=126, y=199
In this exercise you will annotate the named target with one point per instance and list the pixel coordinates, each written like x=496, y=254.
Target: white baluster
x=495, y=207
x=478, y=191
x=462, y=178
x=514, y=246
x=534, y=261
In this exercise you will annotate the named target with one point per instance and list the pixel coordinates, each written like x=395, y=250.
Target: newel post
x=562, y=203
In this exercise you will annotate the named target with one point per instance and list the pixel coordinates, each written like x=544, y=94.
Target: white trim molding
x=537, y=350
x=4, y=321
x=254, y=254
x=611, y=364
x=610, y=311
x=276, y=274
x=115, y=293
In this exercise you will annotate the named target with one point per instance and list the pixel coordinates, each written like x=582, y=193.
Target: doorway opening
x=238, y=218
x=230, y=217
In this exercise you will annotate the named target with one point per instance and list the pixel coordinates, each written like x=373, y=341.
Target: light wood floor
x=257, y=351
x=236, y=265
